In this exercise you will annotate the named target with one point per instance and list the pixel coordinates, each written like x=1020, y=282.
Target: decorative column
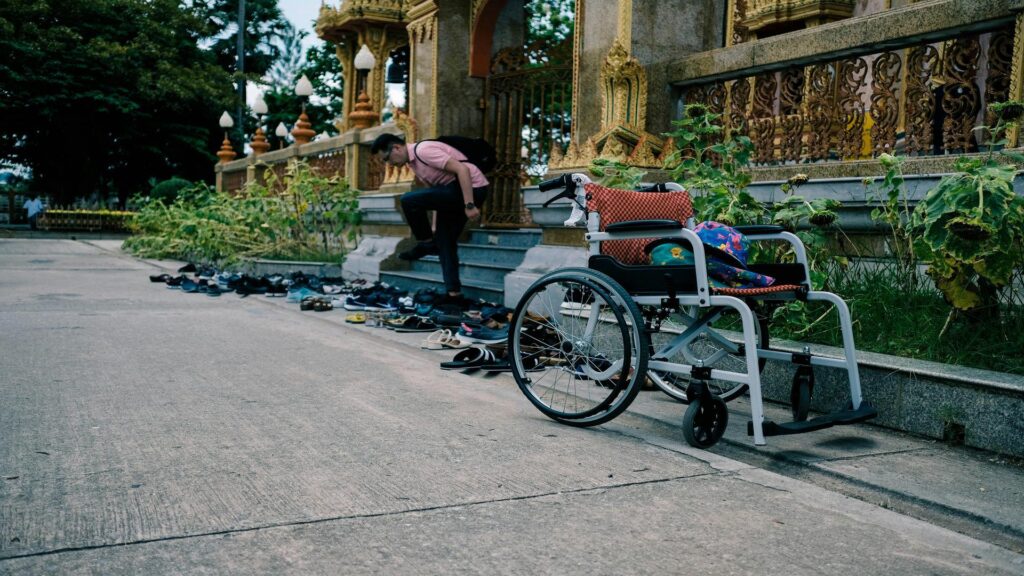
x=615, y=115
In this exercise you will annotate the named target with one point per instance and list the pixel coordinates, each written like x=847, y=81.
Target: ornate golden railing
x=918, y=99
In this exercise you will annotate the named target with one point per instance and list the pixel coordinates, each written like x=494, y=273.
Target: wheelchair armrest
x=642, y=225
x=759, y=229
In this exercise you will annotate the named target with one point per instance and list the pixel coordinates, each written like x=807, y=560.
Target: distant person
x=457, y=190
x=34, y=207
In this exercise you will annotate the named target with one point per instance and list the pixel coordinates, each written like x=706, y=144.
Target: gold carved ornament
x=885, y=109
x=922, y=67
x=850, y=81
x=960, y=99
x=624, y=83
x=791, y=91
x=762, y=122
x=1000, y=66
x=821, y=83
x=739, y=103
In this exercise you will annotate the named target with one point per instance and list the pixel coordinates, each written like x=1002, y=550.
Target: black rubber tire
x=728, y=391
x=559, y=388
x=704, y=422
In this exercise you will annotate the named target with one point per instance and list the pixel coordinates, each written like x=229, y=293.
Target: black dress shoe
x=420, y=250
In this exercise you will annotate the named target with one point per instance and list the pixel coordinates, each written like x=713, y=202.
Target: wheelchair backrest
x=615, y=205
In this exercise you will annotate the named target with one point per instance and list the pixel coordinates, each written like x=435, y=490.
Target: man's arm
x=465, y=184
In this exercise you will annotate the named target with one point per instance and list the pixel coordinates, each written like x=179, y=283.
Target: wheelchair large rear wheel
x=715, y=345
x=577, y=347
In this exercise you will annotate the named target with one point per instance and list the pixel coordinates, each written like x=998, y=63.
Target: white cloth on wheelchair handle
x=726, y=250
x=578, y=216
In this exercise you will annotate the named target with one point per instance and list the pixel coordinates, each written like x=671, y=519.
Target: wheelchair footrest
x=865, y=412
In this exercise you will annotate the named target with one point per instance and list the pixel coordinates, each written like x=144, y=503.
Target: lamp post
x=362, y=114
x=240, y=67
x=259, y=142
x=226, y=152
x=303, y=130
x=282, y=133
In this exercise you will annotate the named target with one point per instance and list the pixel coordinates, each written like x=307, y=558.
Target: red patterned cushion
x=625, y=205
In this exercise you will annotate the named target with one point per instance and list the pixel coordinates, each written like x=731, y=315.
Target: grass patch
x=901, y=317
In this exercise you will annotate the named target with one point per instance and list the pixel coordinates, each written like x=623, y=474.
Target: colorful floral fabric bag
x=726, y=250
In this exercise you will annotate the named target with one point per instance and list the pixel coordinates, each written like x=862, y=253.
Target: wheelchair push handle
x=565, y=182
x=557, y=182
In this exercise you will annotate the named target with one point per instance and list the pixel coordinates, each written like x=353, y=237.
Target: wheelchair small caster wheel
x=800, y=393
x=704, y=421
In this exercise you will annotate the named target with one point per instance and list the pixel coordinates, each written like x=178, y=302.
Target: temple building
x=821, y=87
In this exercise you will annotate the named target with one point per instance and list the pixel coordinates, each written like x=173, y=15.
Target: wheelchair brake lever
x=568, y=192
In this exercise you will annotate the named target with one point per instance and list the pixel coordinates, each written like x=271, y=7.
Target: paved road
x=146, y=431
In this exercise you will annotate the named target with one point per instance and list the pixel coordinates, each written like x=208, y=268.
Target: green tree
x=550, y=20
x=265, y=27
x=100, y=96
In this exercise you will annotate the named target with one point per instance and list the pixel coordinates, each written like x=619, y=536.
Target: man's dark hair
x=385, y=142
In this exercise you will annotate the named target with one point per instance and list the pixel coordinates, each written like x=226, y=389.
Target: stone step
x=501, y=237
x=486, y=272
x=412, y=281
x=509, y=256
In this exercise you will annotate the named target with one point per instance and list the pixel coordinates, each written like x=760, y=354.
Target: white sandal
x=437, y=339
x=454, y=343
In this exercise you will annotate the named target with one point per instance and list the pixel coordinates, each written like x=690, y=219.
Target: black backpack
x=477, y=151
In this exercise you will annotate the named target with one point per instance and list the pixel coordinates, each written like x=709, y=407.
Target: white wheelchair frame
x=703, y=302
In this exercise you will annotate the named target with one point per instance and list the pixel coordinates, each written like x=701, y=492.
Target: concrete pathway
x=147, y=431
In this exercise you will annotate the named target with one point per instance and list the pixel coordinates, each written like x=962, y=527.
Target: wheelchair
x=584, y=341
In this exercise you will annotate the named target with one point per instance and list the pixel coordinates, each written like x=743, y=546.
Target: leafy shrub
x=971, y=226
x=300, y=216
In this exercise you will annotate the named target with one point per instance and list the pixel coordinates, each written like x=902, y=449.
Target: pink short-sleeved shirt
x=427, y=160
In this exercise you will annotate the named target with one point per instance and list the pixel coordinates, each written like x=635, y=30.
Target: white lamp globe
x=364, y=59
x=303, y=87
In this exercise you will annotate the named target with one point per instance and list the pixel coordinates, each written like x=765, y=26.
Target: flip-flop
x=530, y=364
x=470, y=358
x=436, y=340
x=356, y=318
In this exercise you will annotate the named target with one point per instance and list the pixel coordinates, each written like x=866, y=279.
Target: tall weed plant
x=299, y=216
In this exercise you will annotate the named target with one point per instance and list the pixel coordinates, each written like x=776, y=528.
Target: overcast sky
x=302, y=13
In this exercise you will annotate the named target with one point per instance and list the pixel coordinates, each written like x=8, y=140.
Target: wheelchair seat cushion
x=615, y=205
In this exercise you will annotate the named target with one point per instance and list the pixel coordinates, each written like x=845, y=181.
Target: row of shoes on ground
x=425, y=310
x=267, y=284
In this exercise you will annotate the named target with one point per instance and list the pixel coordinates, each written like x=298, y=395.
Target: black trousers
x=450, y=207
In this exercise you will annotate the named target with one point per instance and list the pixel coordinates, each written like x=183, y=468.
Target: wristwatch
x=470, y=205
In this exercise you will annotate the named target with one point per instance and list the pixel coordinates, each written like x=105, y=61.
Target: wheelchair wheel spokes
x=714, y=342
x=574, y=347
